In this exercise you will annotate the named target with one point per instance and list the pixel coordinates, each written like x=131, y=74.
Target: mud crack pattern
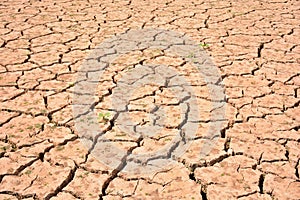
x=150, y=102
x=254, y=45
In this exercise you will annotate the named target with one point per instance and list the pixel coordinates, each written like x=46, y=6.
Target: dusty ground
x=255, y=45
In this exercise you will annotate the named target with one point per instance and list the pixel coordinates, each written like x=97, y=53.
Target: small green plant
x=28, y=172
x=39, y=126
x=103, y=116
x=192, y=57
x=204, y=45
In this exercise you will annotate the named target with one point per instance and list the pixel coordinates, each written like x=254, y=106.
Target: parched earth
x=254, y=46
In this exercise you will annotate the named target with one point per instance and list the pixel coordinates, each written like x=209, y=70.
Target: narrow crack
x=246, y=195
x=261, y=46
x=10, y=118
x=45, y=101
x=192, y=176
x=218, y=159
x=206, y=22
x=31, y=182
x=20, y=169
x=261, y=183
x=19, y=196
x=203, y=192
x=227, y=144
x=68, y=179
x=223, y=133
x=296, y=168
x=121, y=166
x=287, y=153
x=73, y=194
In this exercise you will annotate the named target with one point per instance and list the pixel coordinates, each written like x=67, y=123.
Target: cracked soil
x=255, y=46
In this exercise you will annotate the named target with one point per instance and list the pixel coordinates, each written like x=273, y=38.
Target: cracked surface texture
x=255, y=46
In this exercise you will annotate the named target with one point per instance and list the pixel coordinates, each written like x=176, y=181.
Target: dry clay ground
x=254, y=44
